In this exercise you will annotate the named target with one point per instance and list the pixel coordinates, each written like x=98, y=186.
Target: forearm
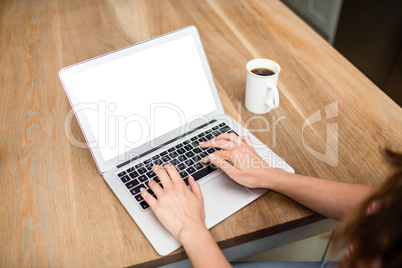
x=331, y=199
x=201, y=248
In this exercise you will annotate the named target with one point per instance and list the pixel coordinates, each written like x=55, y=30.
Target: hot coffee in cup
x=261, y=92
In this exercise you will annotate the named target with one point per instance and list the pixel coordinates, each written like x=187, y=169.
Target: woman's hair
x=373, y=230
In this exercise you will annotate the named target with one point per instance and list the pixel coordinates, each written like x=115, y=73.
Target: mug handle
x=273, y=104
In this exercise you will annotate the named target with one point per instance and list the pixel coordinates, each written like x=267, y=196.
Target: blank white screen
x=169, y=78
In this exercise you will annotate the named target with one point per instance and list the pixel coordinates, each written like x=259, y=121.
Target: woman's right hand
x=239, y=160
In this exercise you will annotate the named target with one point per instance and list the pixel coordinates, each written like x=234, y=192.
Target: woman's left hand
x=177, y=207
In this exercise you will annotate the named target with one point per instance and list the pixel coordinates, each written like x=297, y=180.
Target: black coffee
x=262, y=71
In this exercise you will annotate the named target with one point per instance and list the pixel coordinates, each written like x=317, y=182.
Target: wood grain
x=56, y=210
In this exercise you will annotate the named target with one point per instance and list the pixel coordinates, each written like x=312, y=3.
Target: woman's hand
x=239, y=160
x=177, y=207
x=181, y=211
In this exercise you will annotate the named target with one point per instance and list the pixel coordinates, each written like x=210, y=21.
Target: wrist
x=193, y=233
x=271, y=178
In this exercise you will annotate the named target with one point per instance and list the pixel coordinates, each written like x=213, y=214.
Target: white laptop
x=152, y=103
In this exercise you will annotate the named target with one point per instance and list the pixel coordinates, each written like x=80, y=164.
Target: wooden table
x=56, y=210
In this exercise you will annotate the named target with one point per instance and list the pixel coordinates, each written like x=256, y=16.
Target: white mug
x=261, y=92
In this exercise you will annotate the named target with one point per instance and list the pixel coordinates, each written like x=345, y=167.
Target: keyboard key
x=197, y=150
x=188, y=147
x=166, y=158
x=203, y=154
x=182, y=158
x=211, y=150
x=183, y=174
x=224, y=129
x=171, y=149
x=190, y=154
x=173, y=155
x=203, y=139
x=121, y=174
x=198, y=166
x=179, y=145
x=155, y=157
x=181, y=151
x=209, y=137
x=175, y=162
x=202, y=173
x=151, y=174
x=142, y=178
x=144, y=205
x=163, y=153
x=208, y=131
x=190, y=170
x=137, y=189
x=158, y=162
x=125, y=179
x=196, y=158
x=138, y=197
x=130, y=169
x=215, y=127
x=222, y=124
x=132, y=183
x=193, y=138
x=149, y=166
x=216, y=133
x=139, y=165
x=233, y=132
x=147, y=161
x=133, y=174
x=195, y=143
x=142, y=170
x=180, y=166
x=200, y=135
x=189, y=162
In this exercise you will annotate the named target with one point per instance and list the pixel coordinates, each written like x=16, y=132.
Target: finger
x=227, y=167
x=155, y=187
x=162, y=175
x=230, y=137
x=173, y=173
x=148, y=198
x=223, y=154
x=221, y=143
x=195, y=188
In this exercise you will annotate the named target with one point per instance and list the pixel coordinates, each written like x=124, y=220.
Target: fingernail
x=142, y=189
x=212, y=157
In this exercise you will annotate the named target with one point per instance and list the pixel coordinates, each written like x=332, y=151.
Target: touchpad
x=221, y=195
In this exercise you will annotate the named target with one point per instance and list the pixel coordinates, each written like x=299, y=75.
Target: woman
x=181, y=210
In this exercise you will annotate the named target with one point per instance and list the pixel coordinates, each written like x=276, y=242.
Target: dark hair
x=373, y=230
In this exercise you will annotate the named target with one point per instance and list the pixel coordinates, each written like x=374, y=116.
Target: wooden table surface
x=55, y=208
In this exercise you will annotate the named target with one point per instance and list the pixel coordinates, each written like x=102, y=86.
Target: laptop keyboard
x=184, y=156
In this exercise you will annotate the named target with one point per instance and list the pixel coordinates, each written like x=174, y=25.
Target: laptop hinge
x=164, y=144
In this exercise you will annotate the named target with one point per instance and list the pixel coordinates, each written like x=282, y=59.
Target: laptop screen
x=137, y=98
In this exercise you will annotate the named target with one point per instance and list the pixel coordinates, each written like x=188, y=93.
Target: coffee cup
x=261, y=92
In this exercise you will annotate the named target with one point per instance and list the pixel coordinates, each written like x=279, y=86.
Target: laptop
x=152, y=103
